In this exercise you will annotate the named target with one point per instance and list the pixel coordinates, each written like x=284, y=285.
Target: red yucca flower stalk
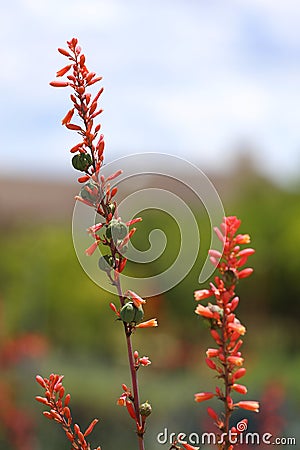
x=59, y=404
x=112, y=233
x=225, y=359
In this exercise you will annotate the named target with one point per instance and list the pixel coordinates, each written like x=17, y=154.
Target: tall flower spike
x=58, y=404
x=226, y=330
x=99, y=193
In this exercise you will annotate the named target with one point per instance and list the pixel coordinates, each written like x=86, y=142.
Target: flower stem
x=228, y=411
x=133, y=373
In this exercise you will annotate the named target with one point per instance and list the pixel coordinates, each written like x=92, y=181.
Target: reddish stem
x=134, y=379
x=228, y=411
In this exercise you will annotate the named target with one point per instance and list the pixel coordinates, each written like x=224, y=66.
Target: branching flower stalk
x=59, y=403
x=111, y=234
x=226, y=330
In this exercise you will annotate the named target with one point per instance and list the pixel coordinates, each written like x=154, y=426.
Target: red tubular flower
x=212, y=413
x=210, y=364
x=235, y=360
x=115, y=175
x=148, y=324
x=144, y=361
x=130, y=409
x=212, y=352
x=83, y=179
x=202, y=294
x=137, y=300
x=133, y=221
x=122, y=400
x=121, y=265
x=245, y=273
x=127, y=238
x=237, y=327
x=239, y=373
x=249, y=405
x=239, y=388
x=203, y=396
x=89, y=251
x=63, y=71
x=59, y=83
x=205, y=312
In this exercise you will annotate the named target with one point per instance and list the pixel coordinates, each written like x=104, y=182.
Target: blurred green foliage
x=45, y=290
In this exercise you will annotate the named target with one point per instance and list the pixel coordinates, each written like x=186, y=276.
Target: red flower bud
x=64, y=52
x=59, y=83
x=239, y=373
x=63, y=71
x=90, y=427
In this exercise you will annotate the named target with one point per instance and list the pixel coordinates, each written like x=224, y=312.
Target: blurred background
x=215, y=83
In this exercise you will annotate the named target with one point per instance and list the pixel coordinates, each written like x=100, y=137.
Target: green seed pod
x=127, y=312
x=81, y=161
x=229, y=278
x=91, y=192
x=130, y=313
x=116, y=230
x=109, y=228
x=85, y=191
x=106, y=263
x=145, y=409
x=139, y=314
x=119, y=231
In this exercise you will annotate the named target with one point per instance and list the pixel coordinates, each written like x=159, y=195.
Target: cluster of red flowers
x=58, y=402
x=88, y=159
x=89, y=155
x=225, y=328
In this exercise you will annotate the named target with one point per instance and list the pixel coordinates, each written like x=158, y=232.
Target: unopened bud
x=229, y=278
x=145, y=409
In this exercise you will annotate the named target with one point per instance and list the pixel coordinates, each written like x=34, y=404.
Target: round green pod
x=85, y=191
x=139, y=314
x=127, y=312
x=130, y=313
x=120, y=230
x=110, y=227
x=145, y=409
x=81, y=161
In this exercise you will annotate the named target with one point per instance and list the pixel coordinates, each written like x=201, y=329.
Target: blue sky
x=198, y=79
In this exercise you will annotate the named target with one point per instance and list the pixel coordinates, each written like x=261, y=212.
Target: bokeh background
x=216, y=83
